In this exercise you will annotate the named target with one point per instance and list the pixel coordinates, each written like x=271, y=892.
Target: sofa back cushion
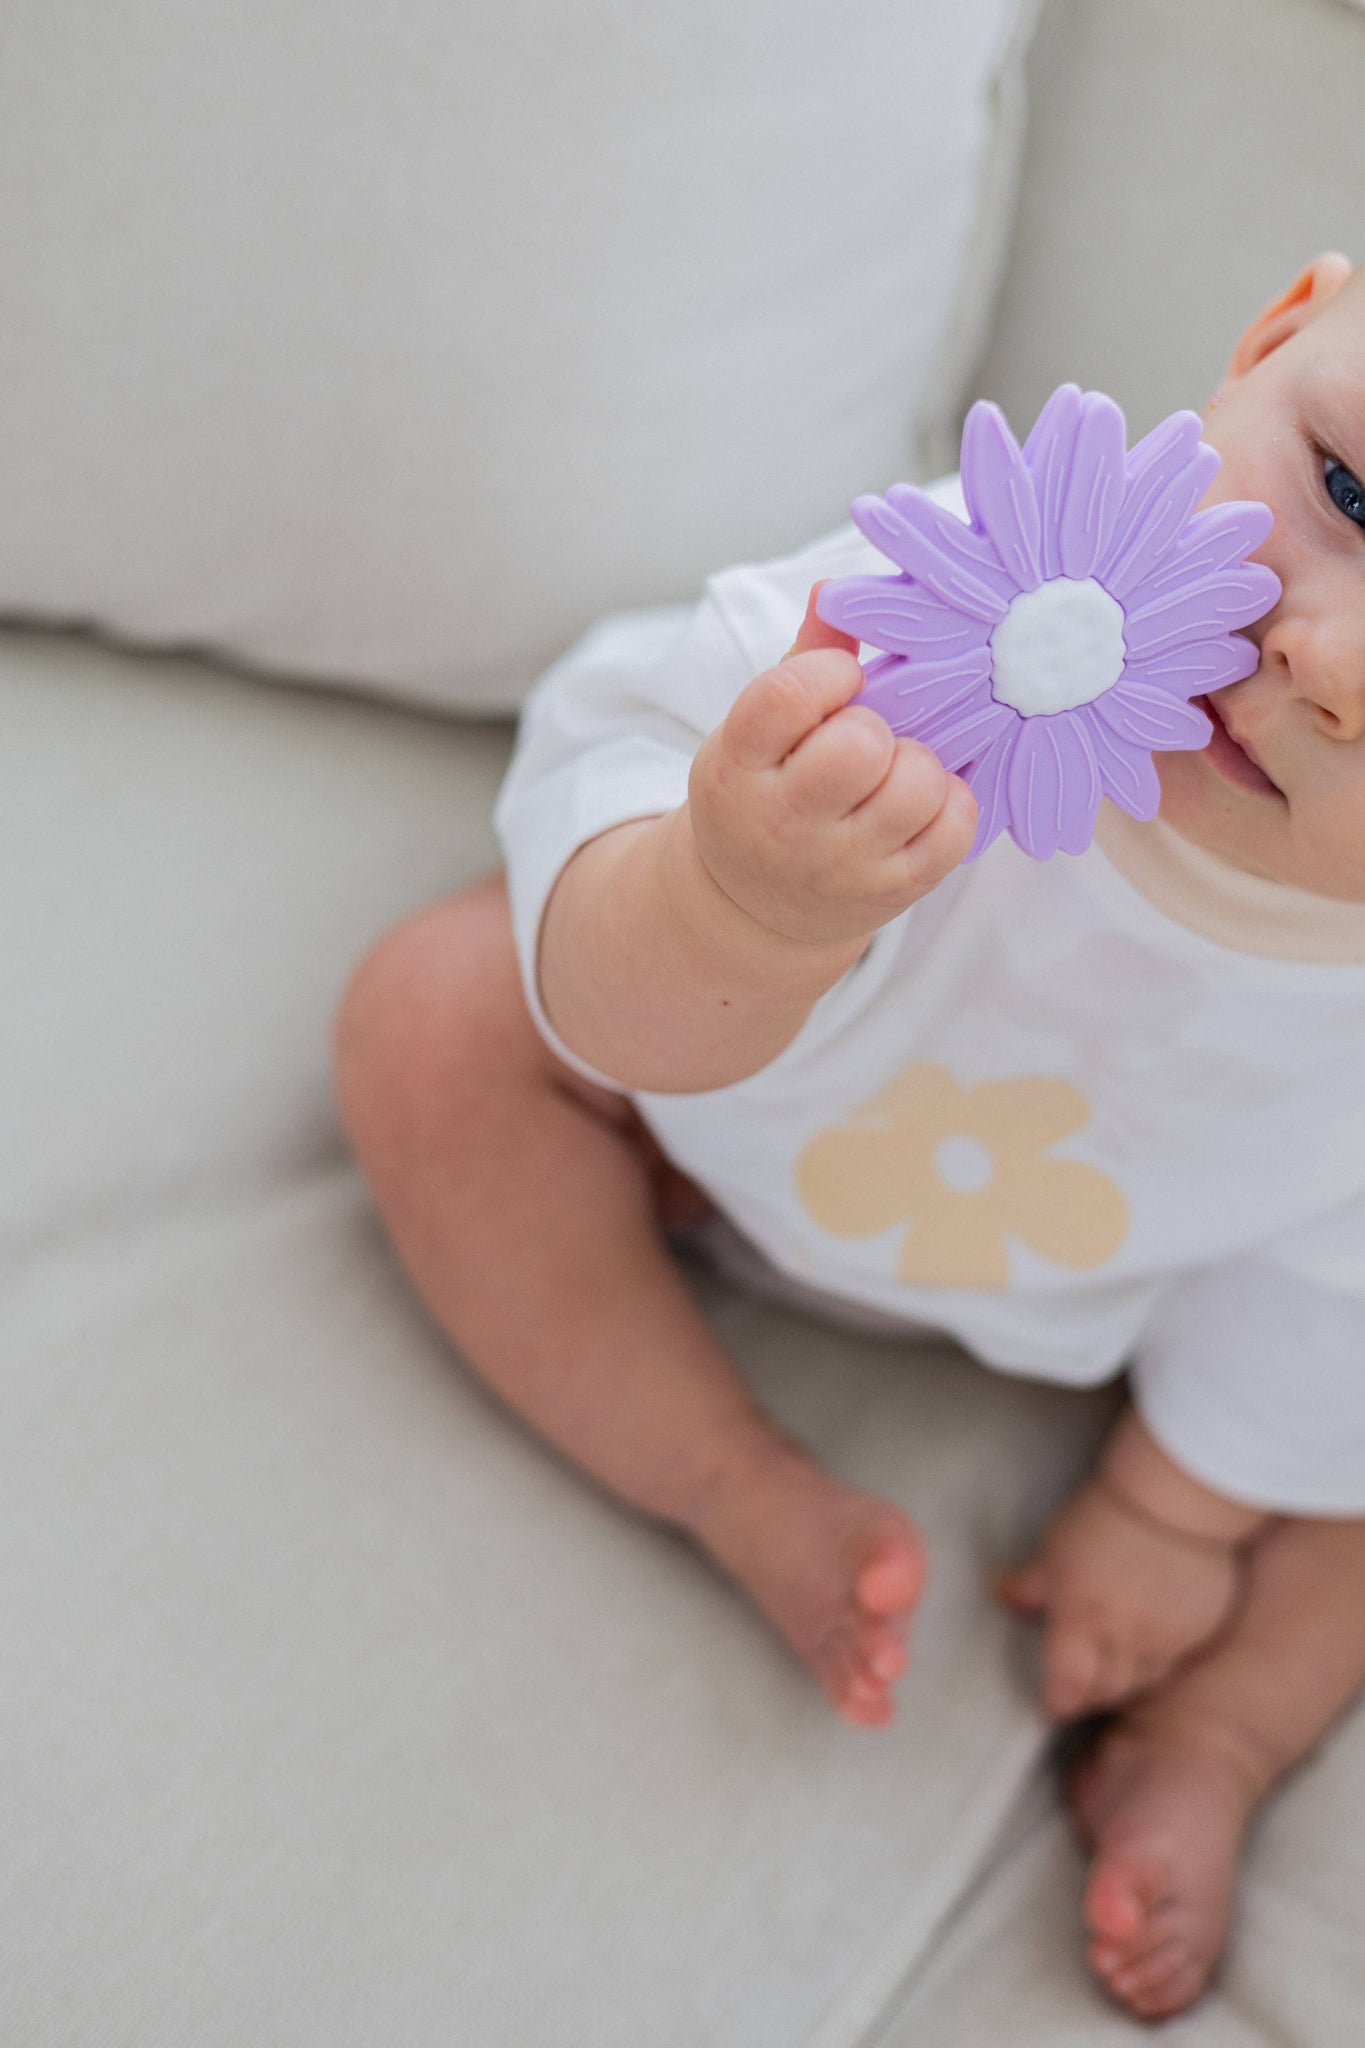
x=391, y=346
x=1183, y=164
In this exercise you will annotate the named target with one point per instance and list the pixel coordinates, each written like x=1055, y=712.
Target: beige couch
x=335, y=1711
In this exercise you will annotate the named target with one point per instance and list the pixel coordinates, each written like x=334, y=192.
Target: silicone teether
x=1046, y=649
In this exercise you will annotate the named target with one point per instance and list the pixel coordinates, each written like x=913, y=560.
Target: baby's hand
x=1124, y=1599
x=808, y=811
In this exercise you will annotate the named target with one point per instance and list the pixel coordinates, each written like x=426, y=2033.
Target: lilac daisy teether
x=1046, y=649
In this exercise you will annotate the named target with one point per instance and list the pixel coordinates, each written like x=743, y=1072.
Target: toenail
x=888, y=1662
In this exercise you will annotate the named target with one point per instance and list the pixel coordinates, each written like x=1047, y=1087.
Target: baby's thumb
x=1024, y=1589
x=815, y=633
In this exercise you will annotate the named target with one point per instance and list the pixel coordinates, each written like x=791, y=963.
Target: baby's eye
x=1345, y=491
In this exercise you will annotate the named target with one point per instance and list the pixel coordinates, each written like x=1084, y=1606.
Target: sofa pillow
x=193, y=865
x=391, y=346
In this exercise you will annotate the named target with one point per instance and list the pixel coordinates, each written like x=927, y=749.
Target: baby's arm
x=685, y=951
x=1141, y=1566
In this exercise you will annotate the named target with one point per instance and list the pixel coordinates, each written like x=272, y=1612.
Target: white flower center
x=964, y=1163
x=1058, y=646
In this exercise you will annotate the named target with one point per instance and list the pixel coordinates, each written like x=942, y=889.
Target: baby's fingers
x=770, y=718
x=837, y=766
x=774, y=713
x=942, y=844
x=1074, y=1657
x=908, y=797
x=1025, y=1589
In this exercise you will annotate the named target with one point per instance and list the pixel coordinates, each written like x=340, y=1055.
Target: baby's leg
x=1165, y=1794
x=524, y=1204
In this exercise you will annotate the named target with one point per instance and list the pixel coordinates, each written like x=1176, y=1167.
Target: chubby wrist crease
x=697, y=895
x=1118, y=1497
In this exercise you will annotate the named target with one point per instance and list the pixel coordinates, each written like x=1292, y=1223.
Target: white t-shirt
x=1085, y=1113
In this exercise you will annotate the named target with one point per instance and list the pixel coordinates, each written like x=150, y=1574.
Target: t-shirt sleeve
x=1251, y=1374
x=607, y=735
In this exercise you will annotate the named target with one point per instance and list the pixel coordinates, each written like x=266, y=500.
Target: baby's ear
x=1311, y=290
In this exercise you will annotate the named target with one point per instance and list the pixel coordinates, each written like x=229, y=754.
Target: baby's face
x=1290, y=427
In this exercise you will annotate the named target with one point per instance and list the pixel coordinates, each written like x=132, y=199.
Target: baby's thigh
x=434, y=1031
x=467, y=964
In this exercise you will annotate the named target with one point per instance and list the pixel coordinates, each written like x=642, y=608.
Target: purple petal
x=960, y=731
x=1054, y=786
x=988, y=779
x=1150, y=470
x=999, y=492
x=1162, y=454
x=891, y=611
x=1151, y=717
x=1094, y=488
x=1126, y=771
x=1161, y=507
x=937, y=681
x=1198, y=610
x=905, y=693
x=938, y=550
x=1220, y=537
x=1202, y=665
x=874, y=671
x=1047, y=452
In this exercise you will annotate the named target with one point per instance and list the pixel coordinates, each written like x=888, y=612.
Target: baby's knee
x=430, y=1013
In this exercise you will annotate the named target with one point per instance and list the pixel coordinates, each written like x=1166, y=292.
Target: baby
x=1106, y=1110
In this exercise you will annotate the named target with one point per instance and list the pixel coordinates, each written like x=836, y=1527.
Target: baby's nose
x=1326, y=663
x=1338, y=692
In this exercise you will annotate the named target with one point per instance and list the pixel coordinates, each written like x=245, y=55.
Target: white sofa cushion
x=335, y=1708
x=336, y=1711
x=394, y=345
x=1007, y=1968
x=193, y=864
x=1183, y=163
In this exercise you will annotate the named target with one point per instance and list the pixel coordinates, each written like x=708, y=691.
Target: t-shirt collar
x=1246, y=912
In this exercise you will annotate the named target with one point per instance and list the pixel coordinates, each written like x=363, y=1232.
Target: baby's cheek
x=1187, y=793
x=1332, y=842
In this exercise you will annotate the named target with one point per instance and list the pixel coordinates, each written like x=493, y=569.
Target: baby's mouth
x=1232, y=760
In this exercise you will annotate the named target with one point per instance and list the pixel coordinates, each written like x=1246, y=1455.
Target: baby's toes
x=866, y=1653
x=891, y=1580
x=1159, y=1969
x=1115, y=1912
x=858, y=1673
x=1164, y=1980
x=867, y=1699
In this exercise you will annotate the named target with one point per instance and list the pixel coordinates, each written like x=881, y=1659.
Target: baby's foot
x=1163, y=1798
x=837, y=1571
x=1123, y=1600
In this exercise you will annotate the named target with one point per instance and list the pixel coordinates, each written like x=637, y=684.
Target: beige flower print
x=963, y=1168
